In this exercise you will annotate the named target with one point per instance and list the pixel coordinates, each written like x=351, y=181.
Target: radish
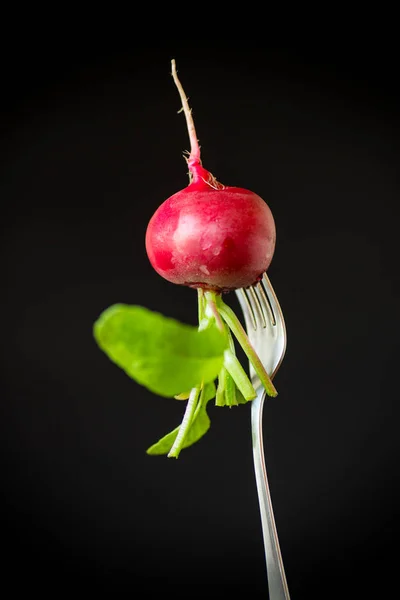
x=214, y=238
x=209, y=235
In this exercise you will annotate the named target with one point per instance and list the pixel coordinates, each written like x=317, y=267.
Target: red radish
x=209, y=235
x=216, y=239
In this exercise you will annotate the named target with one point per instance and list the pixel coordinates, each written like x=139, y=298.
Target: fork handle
x=277, y=584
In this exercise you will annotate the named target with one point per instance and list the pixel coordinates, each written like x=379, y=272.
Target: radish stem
x=197, y=173
x=238, y=374
x=186, y=423
x=220, y=395
x=211, y=303
x=201, y=312
x=194, y=157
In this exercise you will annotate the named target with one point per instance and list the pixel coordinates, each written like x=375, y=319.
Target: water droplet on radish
x=204, y=269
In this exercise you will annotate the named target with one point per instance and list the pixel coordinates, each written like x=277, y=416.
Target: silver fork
x=267, y=333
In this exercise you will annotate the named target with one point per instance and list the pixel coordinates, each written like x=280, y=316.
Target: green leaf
x=160, y=353
x=199, y=427
x=208, y=393
x=164, y=444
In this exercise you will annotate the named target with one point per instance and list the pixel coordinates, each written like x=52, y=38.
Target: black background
x=91, y=145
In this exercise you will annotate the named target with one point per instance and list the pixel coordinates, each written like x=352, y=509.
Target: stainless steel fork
x=266, y=330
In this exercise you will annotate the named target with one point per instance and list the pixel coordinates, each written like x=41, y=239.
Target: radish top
x=199, y=176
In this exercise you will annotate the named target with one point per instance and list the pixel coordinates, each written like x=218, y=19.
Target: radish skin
x=211, y=239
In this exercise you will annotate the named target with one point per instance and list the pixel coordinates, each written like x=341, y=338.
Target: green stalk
x=186, y=423
x=231, y=375
x=230, y=386
x=238, y=374
x=221, y=387
x=199, y=406
x=226, y=389
x=236, y=327
x=200, y=298
x=211, y=299
x=230, y=391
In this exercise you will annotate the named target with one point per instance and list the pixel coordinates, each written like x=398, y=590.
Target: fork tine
x=273, y=300
x=258, y=304
x=247, y=305
x=262, y=290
